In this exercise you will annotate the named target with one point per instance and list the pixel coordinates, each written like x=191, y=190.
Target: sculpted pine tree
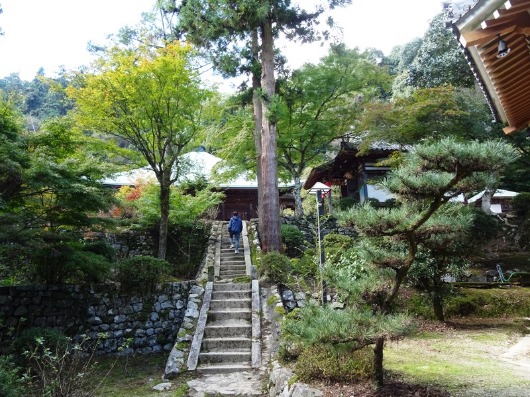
x=431, y=175
x=369, y=278
x=256, y=23
x=153, y=100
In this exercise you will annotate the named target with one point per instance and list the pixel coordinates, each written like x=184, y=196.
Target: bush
x=521, y=203
x=186, y=245
x=307, y=265
x=293, y=239
x=347, y=202
x=485, y=227
x=275, y=266
x=141, y=273
x=490, y=303
x=63, y=371
x=102, y=248
x=338, y=241
x=335, y=364
x=10, y=381
x=335, y=245
x=45, y=338
x=70, y=263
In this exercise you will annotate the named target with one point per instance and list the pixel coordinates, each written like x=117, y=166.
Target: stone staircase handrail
x=195, y=348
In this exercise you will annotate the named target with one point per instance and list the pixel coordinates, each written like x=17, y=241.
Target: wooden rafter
x=507, y=78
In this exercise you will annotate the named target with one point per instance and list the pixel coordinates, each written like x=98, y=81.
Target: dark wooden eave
x=347, y=160
x=506, y=80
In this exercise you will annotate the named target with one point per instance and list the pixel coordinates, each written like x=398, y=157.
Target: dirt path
x=519, y=354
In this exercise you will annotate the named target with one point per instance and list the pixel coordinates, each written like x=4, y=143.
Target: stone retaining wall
x=123, y=324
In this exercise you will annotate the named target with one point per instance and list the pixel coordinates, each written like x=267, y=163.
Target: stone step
x=232, y=256
x=235, y=260
x=233, y=268
x=226, y=357
x=226, y=344
x=231, y=294
x=242, y=330
x=219, y=286
x=230, y=304
x=224, y=369
x=230, y=274
x=237, y=316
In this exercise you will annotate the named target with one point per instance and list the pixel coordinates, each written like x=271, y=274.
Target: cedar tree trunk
x=258, y=120
x=269, y=201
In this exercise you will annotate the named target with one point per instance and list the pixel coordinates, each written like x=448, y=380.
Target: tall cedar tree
x=256, y=24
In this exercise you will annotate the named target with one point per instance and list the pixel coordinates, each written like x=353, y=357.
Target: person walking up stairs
x=235, y=227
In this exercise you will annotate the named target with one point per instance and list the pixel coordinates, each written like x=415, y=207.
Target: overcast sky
x=51, y=33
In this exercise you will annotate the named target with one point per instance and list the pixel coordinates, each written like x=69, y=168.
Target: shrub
x=141, y=273
x=485, y=227
x=335, y=245
x=490, y=303
x=337, y=241
x=347, y=202
x=102, y=248
x=69, y=263
x=275, y=266
x=45, y=338
x=63, y=371
x=186, y=244
x=415, y=303
x=521, y=203
x=293, y=240
x=10, y=381
x=307, y=265
x=335, y=364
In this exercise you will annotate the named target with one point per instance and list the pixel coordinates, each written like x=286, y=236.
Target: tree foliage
x=319, y=104
x=50, y=193
x=439, y=59
x=257, y=24
x=152, y=99
x=428, y=114
x=369, y=277
x=429, y=177
x=38, y=100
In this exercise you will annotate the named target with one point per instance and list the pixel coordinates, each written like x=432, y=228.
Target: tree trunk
x=164, y=215
x=378, y=361
x=258, y=117
x=486, y=201
x=298, y=209
x=270, y=204
x=437, y=306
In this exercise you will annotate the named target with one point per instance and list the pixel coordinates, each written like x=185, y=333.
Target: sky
x=55, y=33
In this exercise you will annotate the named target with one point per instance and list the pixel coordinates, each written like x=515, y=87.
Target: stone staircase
x=231, y=264
x=229, y=338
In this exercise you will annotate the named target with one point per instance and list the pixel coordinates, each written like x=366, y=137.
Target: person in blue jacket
x=235, y=226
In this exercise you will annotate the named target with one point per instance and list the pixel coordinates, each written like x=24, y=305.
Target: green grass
x=134, y=377
x=461, y=361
